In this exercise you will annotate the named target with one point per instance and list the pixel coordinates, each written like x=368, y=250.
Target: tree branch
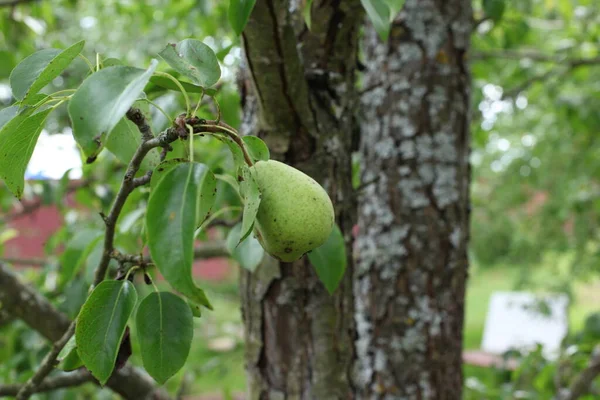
x=136, y=116
x=533, y=55
x=211, y=250
x=129, y=183
x=517, y=55
x=59, y=382
x=127, y=186
x=47, y=365
x=11, y=3
x=581, y=383
x=25, y=303
x=563, y=65
x=24, y=261
x=556, y=72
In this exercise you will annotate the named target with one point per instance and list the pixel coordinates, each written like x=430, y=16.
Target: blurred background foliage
x=535, y=169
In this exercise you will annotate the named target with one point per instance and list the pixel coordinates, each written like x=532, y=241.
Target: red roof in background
x=36, y=227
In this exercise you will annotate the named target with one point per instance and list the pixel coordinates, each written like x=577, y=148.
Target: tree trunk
x=411, y=268
x=298, y=95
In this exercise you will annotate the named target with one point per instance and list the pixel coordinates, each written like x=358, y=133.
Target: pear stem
x=222, y=127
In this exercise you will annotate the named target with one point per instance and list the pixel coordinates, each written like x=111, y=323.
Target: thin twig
x=582, y=382
x=563, y=65
x=516, y=55
x=15, y=2
x=129, y=183
x=556, y=72
x=59, y=382
x=47, y=365
x=136, y=116
x=127, y=186
x=184, y=386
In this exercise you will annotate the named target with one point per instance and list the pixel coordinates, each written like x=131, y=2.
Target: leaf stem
x=198, y=104
x=130, y=271
x=63, y=91
x=167, y=116
x=191, y=131
x=88, y=62
x=181, y=89
x=218, y=108
x=152, y=282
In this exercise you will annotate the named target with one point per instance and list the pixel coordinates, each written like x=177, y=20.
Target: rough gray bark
x=298, y=95
x=414, y=220
x=35, y=310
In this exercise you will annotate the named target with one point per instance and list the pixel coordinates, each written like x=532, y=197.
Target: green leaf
x=165, y=329
x=306, y=12
x=330, y=260
x=101, y=325
x=101, y=101
x=111, y=62
x=212, y=92
x=379, y=14
x=7, y=63
x=230, y=180
x=249, y=253
x=67, y=349
x=207, y=187
x=78, y=249
x=193, y=59
x=395, y=6
x=35, y=99
x=239, y=12
x=170, y=219
x=206, y=195
x=37, y=70
x=257, y=148
x=124, y=140
x=166, y=83
x=8, y=113
x=251, y=195
x=236, y=152
x=68, y=357
x=17, y=141
x=195, y=308
x=163, y=169
x=494, y=9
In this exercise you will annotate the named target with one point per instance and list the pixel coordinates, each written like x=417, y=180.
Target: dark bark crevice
x=299, y=338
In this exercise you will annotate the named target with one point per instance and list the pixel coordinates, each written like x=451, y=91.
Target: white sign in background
x=515, y=321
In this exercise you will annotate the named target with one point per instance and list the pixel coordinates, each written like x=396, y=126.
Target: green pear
x=295, y=214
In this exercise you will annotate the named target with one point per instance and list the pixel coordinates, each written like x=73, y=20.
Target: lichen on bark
x=411, y=268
